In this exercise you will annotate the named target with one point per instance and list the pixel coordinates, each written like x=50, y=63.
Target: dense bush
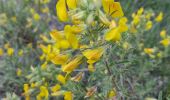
x=84, y=49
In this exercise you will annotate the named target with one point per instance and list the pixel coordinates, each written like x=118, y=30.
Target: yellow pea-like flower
x=46, y=49
x=1, y=52
x=68, y=95
x=26, y=89
x=93, y=55
x=112, y=8
x=136, y=20
x=59, y=59
x=163, y=34
x=69, y=67
x=165, y=42
x=19, y=72
x=36, y=17
x=45, y=10
x=20, y=53
x=140, y=11
x=61, y=79
x=149, y=51
x=55, y=88
x=76, y=29
x=73, y=40
x=106, y=5
x=72, y=4
x=62, y=10
x=116, y=10
x=91, y=68
x=56, y=35
x=113, y=35
x=148, y=25
x=159, y=17
x=10, y=51
x=64, y=44
x=44, y=92
x=122, y=25
x=71, y=37
x=111, y=93
x=44, y=65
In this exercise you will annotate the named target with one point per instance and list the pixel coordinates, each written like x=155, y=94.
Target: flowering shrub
x=99, y=54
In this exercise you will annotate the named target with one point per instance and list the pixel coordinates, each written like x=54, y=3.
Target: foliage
x=84, y=49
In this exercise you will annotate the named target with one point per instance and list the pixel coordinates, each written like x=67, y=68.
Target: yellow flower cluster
x=143, y=19
x=67, y=48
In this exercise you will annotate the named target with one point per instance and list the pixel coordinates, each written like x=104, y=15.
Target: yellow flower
x=113, y=35
x=72, y=38
x=165, y=42
x=159, y=54
x=140, y=11
x=33, y=85
x=149, y=51
x=72, y=64
x=93, y=55
x=76, y=29
x=163, y=34
x=20, y=53
x=56, y=35
x=68, y=95
x=111, y=93
x=19, y=72
x=1, y=52
x=44, y=92
x=45, y=10
x=61, y=41
x=159, y=17
x=72, y=4
x=63, y=44
x=61, y=79
x=148, y=16
x=46, y=49
x=44, y=65
x=42, y=57
x=10, y=51
x=122, y=25
x=112, y=8
x=59, y=59
x=112, y=24
x=91, y=68
x=148, y=25
x=136, y=20
x=62, y=10
x=26, y=89
x=78, y=77
x=106, y=5
x=36, y=17
x=55, y=88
